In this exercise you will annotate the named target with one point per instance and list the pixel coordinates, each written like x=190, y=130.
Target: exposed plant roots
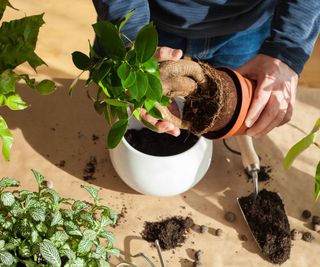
x=205, y=89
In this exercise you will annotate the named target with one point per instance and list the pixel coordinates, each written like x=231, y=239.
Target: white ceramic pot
x=162, y=175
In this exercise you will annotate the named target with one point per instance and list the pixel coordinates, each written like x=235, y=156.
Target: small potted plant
x=129, y=78
x=299, y=147
x=18, y=41
x=44, y=229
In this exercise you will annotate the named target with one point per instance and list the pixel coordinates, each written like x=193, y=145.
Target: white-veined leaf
x=7, y=198
x=50, y=253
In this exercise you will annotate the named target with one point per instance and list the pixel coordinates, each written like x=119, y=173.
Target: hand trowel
x=267, y=219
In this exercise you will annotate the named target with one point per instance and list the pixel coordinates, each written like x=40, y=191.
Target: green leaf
x=7, y=199
x=92, y=191
x=302, y=145
x=149, y=125
x=50, y=253
x=113, y=251
x=60, y=236
x=317, y=182
x=89, y=235
x=35, y=237
x=18, y=41
x=3, y=5
x=6, y=137
x=109, y=39
x=38, y=214
x=139, y=88
x=6, y=258
x=116, y=133
x=125, y=20
x=39, y=177
x=108, y=235
x=146, y=43
x=100, y=71
x=152, y=66
x=8, y=182
x=8, y=81
x=79, y=205
x=126, y=75
x=69, y=253
x=105, y=221
x=80, y=60
x=155, y=113
x=15, y=102
x=154, y=90
x=116, y=102
x=2, y=242
x=45, y=87
x=56, y=219
x=84, y=246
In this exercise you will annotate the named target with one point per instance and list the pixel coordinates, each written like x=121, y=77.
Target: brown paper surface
x=60, y=127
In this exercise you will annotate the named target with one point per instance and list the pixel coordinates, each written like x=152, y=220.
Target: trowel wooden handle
x=249, y=156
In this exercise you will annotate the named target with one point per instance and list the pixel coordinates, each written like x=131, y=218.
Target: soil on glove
x=156, y=144
x=170, y=233
x=269, y=224
x=263, y=174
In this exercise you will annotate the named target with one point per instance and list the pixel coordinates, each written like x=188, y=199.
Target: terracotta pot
x=239, y=93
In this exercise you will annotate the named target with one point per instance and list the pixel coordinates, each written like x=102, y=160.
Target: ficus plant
x=44, y=229
x=126, y=74
x=17, y=44
x=302, y=145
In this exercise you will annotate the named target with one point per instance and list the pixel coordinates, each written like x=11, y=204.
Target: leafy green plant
x=301, y=146
x=43, y=229
x=17, y=44
x=127, y=76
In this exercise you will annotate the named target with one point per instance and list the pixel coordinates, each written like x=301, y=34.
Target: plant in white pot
x=128, y=79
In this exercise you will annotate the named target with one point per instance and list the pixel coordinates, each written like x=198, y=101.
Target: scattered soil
x=169, y=232
x=306, y=214
x=263, y=174
x=90, y=169
x=198, y=255
x=121, y=216
x=94, y=138
x=307, y=236
x=62, y=163
x=269, y=224
x=156, y=144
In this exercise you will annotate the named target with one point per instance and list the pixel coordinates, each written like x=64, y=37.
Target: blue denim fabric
x=229, y=51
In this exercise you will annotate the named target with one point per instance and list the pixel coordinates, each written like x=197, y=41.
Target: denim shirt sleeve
x=115, y=10
x=294, y=30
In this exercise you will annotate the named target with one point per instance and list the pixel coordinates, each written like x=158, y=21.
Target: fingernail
x=249, y=123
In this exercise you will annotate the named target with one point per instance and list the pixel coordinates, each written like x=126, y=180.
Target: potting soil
x=269, y=224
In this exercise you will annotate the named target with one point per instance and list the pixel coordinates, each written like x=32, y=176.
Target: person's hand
x=163, y=54
x=274, y=96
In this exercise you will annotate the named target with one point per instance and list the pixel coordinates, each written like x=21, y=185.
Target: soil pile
x=263, y=174
x=269, y=224
x=169, y=232
x=156, y=144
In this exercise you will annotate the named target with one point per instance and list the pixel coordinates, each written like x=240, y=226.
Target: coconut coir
x=156, y=144
x=170, y=232
x=269, y=224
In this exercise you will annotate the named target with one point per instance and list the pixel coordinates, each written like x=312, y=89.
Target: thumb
x=248, y=70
